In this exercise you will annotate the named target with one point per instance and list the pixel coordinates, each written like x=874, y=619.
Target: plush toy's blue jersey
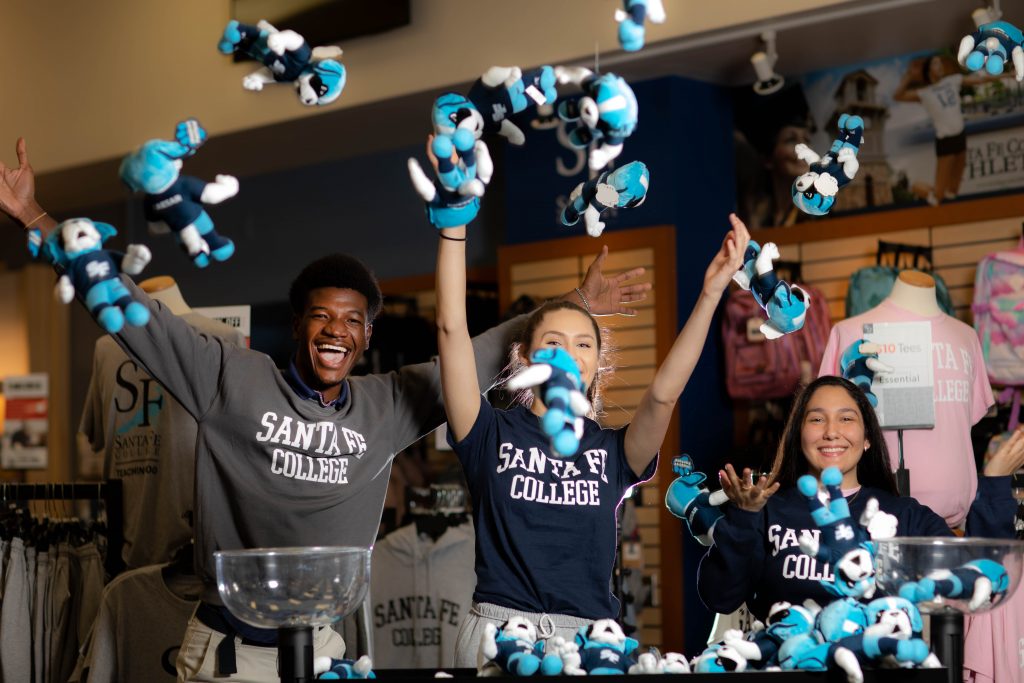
x=178, y=206
x=854, y=366
x=598, y=659
x=521, y=658
x=618, y=111
x=496, y=104
x=687, y=499
x=285, y=67
x=88, y=269
x=983, y=56
x=851, y=133
x=960, y=582
x=630, y=183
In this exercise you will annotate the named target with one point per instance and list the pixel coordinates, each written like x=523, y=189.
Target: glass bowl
x=292, y=587
x=902, y=564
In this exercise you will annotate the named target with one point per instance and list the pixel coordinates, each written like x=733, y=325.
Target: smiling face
x=832, y=433
x=332, y=334
x=573, y=331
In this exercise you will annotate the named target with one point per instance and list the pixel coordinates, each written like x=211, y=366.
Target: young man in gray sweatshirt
x=293, y=457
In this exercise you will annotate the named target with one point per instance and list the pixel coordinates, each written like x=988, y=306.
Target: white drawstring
x=545, y=627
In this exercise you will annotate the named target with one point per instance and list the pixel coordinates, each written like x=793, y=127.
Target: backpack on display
x=998, y=309
x=870, y=286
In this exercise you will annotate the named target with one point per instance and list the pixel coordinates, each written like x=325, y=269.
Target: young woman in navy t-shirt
x=546, y=525
x=756, y=558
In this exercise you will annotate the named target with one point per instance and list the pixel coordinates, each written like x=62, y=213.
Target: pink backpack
x=756, y=368
x=998, y=309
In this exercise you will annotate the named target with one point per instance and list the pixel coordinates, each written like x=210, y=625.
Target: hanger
x=436, y=509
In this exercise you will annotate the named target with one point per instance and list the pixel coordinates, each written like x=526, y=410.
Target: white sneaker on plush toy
x=949, y=195
x=932, y=199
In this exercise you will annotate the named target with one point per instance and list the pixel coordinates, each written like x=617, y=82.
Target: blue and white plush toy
x=604, y=649
x=815, y=192
x=607, y=113
x=859, y=363
x=563, y=393
x=719, y=659
x=286, y=58
x=328, y=668
x=841, y=618
x=760, y=648
x=846, y=545
x=175, y=202
x=463, y=169
x=689, y=500
x=513, y=648
x=623, y=188
x=979, y=583
x=76, y=248
x=503, y=91
x=785, y=304
x=451, y=112
x=631, y=21
x=991, y=47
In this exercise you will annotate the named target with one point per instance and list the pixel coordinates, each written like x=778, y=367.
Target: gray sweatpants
x=16, y=618
x=467, y=647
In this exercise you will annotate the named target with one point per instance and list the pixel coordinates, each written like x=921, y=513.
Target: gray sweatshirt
x=274, y=469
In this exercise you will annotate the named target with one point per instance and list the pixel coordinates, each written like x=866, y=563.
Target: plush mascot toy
x=563, y=393
x=463, y=169
x=607, y=113
x=286, y=58
x=513, y=648
x=503, y=91
x=175, y=202
x=604, y=649
x=623, y=188
x=991, y=47
x=815, y=192
x=979, y=583
x=841, y=618
x=652, y=663
x=690, y=501
x=785, y=304
x=76, y=248
x=328, y=668
x=631, y=21
x=859, y=363
x=452, y=112
x=718, y=659
x=760, y=648
x=847, y=546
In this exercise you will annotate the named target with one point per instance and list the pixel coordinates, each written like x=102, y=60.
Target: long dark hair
x=521, y=351
x=873, y=469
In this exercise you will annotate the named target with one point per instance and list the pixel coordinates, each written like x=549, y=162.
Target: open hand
x=606, y=295
x=1010, y=456
x=18, y=187
x=745, y=493
x=728, y=260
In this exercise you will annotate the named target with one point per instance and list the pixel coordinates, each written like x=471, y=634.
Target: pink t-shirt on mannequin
x=943, y=474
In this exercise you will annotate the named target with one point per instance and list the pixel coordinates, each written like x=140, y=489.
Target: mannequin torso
x=914, y=291
x=164, y=289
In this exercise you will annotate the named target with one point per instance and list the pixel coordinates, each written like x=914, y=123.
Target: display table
x=870, y=676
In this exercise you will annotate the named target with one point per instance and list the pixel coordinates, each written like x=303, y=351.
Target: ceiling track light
x=764, y=65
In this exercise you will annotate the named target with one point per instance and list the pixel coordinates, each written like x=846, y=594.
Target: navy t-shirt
x=178, y=206
x=757, y=559
x=545, y=526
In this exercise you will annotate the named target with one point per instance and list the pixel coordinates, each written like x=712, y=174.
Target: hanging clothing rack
x=110, y=492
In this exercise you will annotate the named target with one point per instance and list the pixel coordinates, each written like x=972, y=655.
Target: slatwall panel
x=635, y=359
x=957, y=248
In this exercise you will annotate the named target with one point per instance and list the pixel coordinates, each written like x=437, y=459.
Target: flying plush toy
x=328, y=668
x=503, y=91
x=451, y=112
x=514, y=649
x=623, y=188
x=563, y=393
x=717, y=659
x=688, y=500
x=815, y=192
x=980, y=583
x=991, y=47
x=76, y=248
x=847, y=546
x=607, y=113
x=859, y=363
x=631, y=21
x=785, y=304
x=286, y=58
x=760, y=648
x=604, y=649
x=454, y=199
x=175, y=202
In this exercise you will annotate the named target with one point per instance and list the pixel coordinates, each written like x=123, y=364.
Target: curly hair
x=336, y=270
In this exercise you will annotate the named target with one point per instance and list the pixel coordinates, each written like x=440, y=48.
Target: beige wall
x=89, y=80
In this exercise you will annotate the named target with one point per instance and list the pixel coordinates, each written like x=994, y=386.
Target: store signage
x=26, y=424
x=905, y=396
x=239, y=317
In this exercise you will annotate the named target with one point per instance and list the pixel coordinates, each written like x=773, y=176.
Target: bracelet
x=586, y=304
x=453, y=239
x=33, y=221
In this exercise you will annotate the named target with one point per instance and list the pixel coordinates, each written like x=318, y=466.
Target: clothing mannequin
x=164, y=289
x=943, y=474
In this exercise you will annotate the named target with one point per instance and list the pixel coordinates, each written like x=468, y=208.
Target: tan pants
x=197, y=659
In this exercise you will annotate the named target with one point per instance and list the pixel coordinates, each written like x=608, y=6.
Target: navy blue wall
x=685, y=138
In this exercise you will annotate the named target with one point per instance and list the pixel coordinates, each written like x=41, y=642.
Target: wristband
x=586, y=304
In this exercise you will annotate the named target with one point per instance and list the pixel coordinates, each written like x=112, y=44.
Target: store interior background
x=86, y=82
